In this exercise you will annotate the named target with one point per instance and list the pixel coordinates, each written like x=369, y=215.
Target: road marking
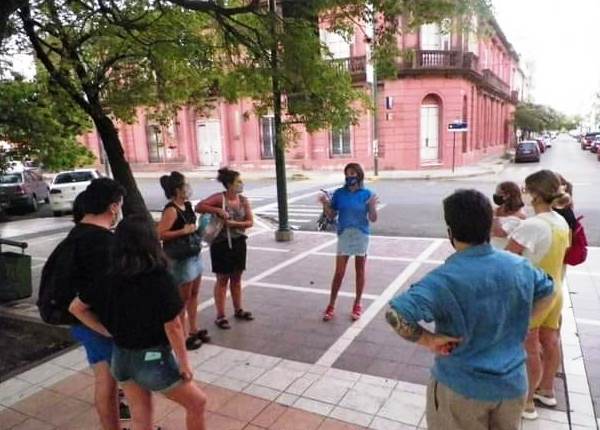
x=383, y=258
x=586, y=321
x=338, y=348
x=265, y=248
x=274, y=269
x=308, y=290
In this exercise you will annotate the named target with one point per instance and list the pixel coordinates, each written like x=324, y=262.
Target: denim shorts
x=98, y=348
x=187, y=270
x=154, y=369
x=352, y=241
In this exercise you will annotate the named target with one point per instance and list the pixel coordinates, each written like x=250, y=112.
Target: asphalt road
x=410, y=207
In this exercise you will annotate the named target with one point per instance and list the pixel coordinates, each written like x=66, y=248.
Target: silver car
x=23, y=189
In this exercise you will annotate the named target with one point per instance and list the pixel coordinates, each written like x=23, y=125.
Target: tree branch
x=211, y=6
x=57, y=76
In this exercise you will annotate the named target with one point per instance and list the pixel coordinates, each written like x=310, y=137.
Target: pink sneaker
x=329, y=313
x=356, y=312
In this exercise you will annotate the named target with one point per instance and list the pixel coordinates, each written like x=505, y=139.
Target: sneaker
x=329, y=313
x=356, y=312
x=544, y=399
x=529, y=413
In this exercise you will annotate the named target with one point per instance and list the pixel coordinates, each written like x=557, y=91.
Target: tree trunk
x=133, y=202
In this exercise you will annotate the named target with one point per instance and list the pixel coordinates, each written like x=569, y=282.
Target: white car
x=66, y=186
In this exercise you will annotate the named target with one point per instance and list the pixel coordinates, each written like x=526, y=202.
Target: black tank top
x=184, y=217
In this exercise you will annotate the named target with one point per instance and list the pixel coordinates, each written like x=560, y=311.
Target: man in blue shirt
x=481, y=301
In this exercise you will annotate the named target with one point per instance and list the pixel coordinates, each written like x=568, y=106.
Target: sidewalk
x=288, y=369
x=487, y=166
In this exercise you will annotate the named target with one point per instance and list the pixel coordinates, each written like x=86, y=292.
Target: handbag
x=577, y=252
x=212, y=225
x=185, y=246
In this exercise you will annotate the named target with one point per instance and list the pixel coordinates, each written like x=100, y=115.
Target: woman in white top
x=509, y=213
x=543, y=239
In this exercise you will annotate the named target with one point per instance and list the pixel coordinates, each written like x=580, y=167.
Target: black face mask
x=498, y=199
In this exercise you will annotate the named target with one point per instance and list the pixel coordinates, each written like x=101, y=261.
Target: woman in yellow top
x=543, y=239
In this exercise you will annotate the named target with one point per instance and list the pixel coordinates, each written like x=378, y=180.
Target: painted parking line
x=336, y=350
x=208, y=303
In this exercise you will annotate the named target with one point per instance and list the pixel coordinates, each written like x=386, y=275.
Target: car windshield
x=67, y=178
x=11, y=178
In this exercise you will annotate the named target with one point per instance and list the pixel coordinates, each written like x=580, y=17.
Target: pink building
x=442, y=77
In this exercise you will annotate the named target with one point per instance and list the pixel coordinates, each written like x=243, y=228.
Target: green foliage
x=536, y=118
x=42, y=124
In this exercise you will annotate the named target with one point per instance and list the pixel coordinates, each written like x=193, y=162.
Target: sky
x=561, y=39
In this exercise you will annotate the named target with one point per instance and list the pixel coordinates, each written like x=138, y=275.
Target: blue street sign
x=458, y=127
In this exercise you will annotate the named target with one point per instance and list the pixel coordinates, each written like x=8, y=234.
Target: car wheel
x=56, y=213
x=33, y=204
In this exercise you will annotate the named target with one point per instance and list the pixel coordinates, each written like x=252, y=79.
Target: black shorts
x=228, y=261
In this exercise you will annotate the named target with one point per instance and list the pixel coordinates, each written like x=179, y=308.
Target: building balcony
x=439, y=60
x=356, y=66
x=493, y=80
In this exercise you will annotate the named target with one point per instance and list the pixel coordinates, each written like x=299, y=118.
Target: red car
x=587, y=140
x=541, y=145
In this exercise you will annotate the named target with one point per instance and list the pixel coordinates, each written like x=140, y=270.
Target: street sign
x=458, y=126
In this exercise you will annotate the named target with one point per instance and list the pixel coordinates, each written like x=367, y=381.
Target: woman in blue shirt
x=355, y=207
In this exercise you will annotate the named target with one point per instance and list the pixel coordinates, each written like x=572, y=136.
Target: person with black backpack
x=182, y=243
x=68, y=282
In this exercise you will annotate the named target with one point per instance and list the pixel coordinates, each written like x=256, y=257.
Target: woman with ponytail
x=228, y=249
x=543, y=239
x=178, y=221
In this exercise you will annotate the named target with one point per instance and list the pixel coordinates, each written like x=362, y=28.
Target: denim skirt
x=352, y=241
x=187, y=270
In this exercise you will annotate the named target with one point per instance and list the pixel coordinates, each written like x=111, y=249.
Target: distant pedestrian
x=228, y=249
x=142, y=312
x=480, y=300
x=543, y=239
x=93, y=240
x=355, y=206
x=177, y=223
x=508, y=213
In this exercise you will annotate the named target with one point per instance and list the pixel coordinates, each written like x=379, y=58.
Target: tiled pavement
x=288, y=369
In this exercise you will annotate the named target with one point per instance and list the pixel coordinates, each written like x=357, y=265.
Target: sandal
x=241, y=314
x=356, y=312
x=222, y=323
x=329, y=313
x=203, y=336
x=192, y=343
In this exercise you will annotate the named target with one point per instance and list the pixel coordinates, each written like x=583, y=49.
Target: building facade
x=443, y=76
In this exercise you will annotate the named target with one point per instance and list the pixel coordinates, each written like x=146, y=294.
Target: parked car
x=541, y=145
x=528, y=150
x=23, y=189
x=66, y=186
x=587, y=139
x=595, y=145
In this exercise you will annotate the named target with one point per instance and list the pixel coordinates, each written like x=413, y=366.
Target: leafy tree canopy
x=42, y=124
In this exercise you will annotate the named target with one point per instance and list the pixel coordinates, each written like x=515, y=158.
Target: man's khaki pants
x=448, y=410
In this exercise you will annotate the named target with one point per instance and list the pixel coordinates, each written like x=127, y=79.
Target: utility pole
x=283, y=233
x=372, y=71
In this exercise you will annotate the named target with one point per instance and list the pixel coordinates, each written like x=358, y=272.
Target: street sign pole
x=458, y=126
x=453, y=152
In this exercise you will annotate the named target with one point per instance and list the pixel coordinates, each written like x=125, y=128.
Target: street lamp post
x=283, y=233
